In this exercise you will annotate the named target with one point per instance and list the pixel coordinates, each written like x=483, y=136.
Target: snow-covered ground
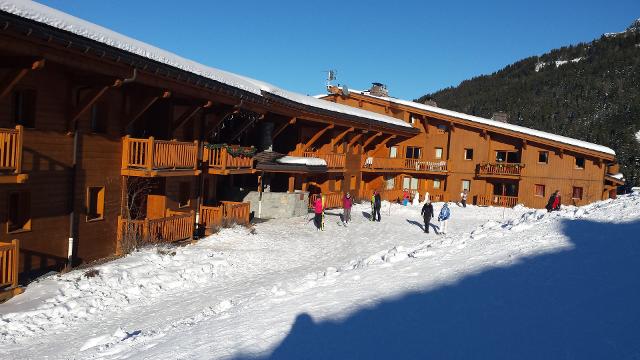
x=505, y=283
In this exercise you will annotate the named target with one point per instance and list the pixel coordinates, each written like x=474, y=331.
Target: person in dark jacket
x=554, y=202
x=427, y=214
x=377, y=204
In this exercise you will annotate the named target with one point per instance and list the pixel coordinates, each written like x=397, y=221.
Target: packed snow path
x=526, y=285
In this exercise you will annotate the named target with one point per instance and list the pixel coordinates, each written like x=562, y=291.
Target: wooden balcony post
x=223, y=158
x=292, y=181
x=150, y=153
x=125, y=151
x=197, y=155
x=18, y=153
x=16, y=261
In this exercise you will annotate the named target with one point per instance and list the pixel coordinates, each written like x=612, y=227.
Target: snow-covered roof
x=494, y=123
x=309, y=161
x=63, y=21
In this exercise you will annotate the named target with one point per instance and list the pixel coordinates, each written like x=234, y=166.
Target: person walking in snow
x=463, y=197
x=554, y=201
x=405, y=197
x=427, y=214
x=346, y=206
x=373, y=201
x=443, y=218
x=317, y=209
x=377, y=204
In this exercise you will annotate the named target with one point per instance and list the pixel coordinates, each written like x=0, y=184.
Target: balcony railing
x=332, y=200
x=334, y=161
x=9, y=257
x=499, y=169
x=150, y=231
x=11, y=143
x=397, y=164
x=220, y=160
x=158, y=155
x=497, y=200
x=229, y=212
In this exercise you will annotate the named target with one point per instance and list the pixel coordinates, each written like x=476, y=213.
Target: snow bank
x=498, y=124
x=309, y=161
x=638, y=136
x=63, y=21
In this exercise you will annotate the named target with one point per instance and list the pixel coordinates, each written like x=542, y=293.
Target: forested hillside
x=589, y=91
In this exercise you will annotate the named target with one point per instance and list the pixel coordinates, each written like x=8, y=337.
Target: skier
x=373, y=208
x=377, y=204
x=463, y=197
x=317, y=209
x=346, y=205
x=554, y=201
x=427, y=214
x=443, y=218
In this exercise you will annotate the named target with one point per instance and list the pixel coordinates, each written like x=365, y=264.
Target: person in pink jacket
x=317, y=209
x=347, y=202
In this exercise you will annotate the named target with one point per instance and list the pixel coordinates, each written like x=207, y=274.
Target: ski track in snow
x=237, y=293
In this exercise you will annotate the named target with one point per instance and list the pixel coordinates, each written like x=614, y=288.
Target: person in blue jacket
x=443, y=218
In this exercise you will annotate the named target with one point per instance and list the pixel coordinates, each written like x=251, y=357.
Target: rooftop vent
x=500, y=116
x=379, y=89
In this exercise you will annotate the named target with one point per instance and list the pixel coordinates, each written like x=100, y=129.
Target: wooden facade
x=100, y=147
x=499, y=167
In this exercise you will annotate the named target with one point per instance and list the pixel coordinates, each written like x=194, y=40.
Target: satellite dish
x=345, y=90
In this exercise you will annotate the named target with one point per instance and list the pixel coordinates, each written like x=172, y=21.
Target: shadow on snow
x=578, y=303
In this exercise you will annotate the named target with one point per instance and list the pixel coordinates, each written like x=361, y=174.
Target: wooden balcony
x=228, y=213
x=335, y=162
x=11, y=141
x=502, y=170
x=225, y=160
x=332, y=200
x=173, y=228
x=150, y=157
x=9, y=258
x=373, y=164
x=496, y=200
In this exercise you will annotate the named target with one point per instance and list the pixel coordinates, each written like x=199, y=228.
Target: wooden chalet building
x=498, y=163
x=107, y=142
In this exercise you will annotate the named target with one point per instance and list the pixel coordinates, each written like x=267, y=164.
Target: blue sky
x=415, y=47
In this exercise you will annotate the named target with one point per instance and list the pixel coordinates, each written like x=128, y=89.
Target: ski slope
x=504, y=283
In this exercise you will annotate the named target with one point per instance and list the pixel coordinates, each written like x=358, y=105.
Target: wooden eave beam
x=283, y=127
x=354, y=139
x=246, y=126
x=370, y=139
x=14, y=78
x=315, y=137
x=190, y=113
x=340, y=136
x=145, y=106
x=384, y=142
x=93, y=97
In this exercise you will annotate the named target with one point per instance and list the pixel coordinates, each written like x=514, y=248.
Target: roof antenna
x=331, y=76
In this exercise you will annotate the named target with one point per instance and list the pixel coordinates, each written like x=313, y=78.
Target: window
x=579, y=163
x=436, y=183
x=438, y=153
x=543, y=157
x=466, y=185
x=409, y=183
x=184, y=194
x=19, y=212
x=24, y=108
x=442, y=129
x=389, y=182
x=95, y=203
x=352, y=183
x=468, y=154
x=99, y=117
x=539, y=190
x=414, y=152
x=577, y=193
x=393, y=152
x=511, y=157
x=413, y=119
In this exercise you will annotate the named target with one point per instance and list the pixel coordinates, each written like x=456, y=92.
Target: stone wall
x=278, y=205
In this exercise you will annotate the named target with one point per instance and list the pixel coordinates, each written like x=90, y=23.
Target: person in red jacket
x=554, y=201
x=347, y=202
x=317, y=209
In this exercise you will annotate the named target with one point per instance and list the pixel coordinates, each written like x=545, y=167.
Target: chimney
x=500, y=116
x=378, y=89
